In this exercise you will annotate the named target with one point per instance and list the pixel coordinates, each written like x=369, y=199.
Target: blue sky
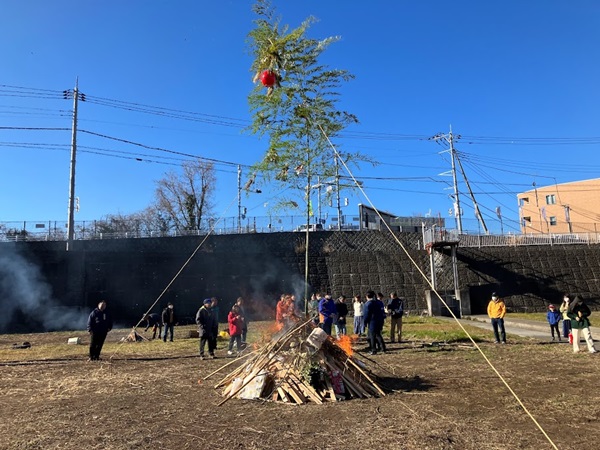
x=501, y=73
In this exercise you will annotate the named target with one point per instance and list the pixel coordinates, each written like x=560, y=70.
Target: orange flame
x=345, y=343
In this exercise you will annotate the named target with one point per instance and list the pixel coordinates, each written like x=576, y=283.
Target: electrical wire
x=402, y=246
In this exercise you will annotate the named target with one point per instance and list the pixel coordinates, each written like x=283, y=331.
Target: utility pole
x=475, y=204
x=568, y=217
x=457, y=209
x=337, y=191
x=319, y=199
x=449, y=140
x=239, y=198
x=71, y=213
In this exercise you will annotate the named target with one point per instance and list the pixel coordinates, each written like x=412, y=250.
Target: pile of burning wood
x=302, y=365
x=134, y=336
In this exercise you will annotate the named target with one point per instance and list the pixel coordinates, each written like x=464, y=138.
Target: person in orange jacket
x=496, y=311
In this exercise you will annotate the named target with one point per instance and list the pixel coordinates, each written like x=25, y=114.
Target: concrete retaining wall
x=132, y=273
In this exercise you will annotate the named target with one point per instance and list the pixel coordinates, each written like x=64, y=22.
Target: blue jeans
x=499, y=324
x=168, y=328
x=566, y=328
x=359, y=326
x=238, y=342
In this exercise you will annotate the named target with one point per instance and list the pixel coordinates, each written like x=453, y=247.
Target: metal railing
x=100, y=229
x=440, y=236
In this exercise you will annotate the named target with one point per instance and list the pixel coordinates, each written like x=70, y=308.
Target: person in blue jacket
x=374, y=318
x=553, y=317
x=327, y=313
x=99, y=324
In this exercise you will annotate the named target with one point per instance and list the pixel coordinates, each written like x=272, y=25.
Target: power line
x=126, y=141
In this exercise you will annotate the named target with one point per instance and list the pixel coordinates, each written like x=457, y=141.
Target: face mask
x=494, y=298
x=171, y=307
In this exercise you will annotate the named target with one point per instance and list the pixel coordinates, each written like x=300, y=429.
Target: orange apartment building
x=561, y=208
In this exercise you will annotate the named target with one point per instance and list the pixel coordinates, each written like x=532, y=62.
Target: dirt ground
x=152, y=395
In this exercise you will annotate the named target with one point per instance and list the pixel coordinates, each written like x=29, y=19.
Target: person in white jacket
x=359, y=324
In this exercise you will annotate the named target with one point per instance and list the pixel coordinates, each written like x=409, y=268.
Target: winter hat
x=207, y=301
x=551, y=306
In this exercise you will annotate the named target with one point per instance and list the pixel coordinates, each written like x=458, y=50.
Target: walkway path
x=520, y=327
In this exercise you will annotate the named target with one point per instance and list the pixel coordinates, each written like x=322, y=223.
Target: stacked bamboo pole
x=290, y=370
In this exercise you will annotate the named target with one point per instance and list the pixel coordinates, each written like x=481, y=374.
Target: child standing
x=553, y=317
x=564, y=309
x=236, y=327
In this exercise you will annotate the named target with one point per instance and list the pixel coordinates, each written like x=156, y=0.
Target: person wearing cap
x=496, y=311
x=564, y=308
x=553, y=317
x=169, y=319
x=579, y=314
x=206, y=327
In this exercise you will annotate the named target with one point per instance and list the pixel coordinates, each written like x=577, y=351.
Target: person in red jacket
x=236, y=327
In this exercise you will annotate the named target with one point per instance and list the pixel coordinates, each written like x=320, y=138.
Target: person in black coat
x=206, y=328
x=341, y=314
x=99, y=324
x=374, y=319
x=169, y=319
x=395, y=309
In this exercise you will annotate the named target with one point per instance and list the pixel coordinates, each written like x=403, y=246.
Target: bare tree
x=153, y=222
x=185, y=199
x=117, y=223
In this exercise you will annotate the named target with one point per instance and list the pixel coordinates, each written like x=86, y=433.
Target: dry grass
x=152, y=394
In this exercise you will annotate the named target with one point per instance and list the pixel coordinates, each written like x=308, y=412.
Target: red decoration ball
x=268, y=78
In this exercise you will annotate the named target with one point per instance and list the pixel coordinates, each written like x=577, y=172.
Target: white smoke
x=26, y=299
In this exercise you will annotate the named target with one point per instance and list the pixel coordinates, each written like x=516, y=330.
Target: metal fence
x=100, y=229
x=433, y=236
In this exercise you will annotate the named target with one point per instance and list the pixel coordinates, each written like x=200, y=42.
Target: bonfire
x=134, y=336
x=300, y=365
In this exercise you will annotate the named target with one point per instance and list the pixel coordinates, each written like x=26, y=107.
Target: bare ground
x=152, y=394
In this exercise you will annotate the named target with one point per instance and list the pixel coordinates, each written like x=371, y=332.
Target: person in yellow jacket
x=496, y=311
x=564, y=309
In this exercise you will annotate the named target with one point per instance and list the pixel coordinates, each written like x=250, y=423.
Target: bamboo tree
x=298, y=112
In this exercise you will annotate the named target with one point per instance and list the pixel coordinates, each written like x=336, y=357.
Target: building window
x=523, y=201
x=550, y=199
x=552, y=220
x=526, y=222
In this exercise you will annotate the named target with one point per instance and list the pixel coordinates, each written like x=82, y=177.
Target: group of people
x=166, y=320
x=368, y=315
x=286, y=311
x=573, y=312
x=207, y=320
x=575, y=316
